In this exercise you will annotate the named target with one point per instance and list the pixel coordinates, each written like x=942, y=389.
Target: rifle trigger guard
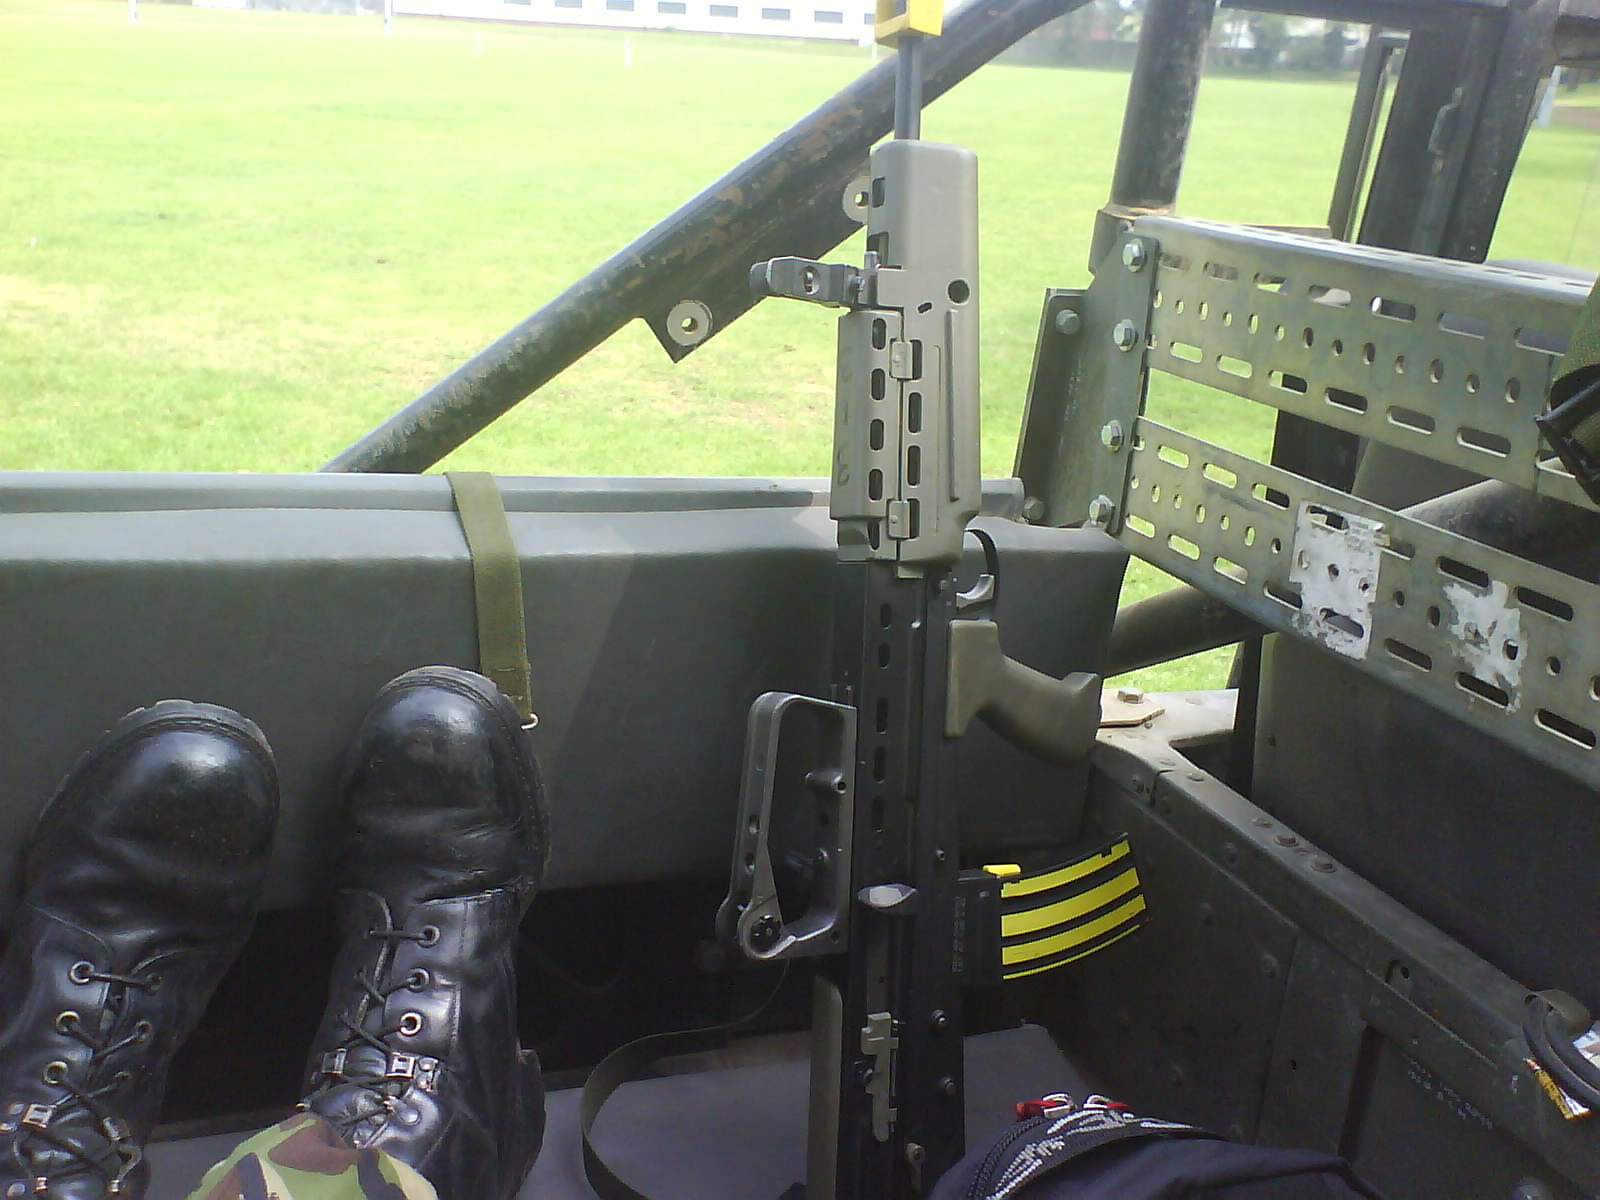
x=816, y=802
x=985, y=590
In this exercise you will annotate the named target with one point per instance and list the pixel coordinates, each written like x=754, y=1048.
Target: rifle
x=848, y=847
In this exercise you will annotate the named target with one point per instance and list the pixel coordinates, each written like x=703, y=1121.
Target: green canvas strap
x=1583, y=352
x=497, y=588
x=1571, y=423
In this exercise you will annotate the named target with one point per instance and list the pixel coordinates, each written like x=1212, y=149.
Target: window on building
x=724, y=10
x=673, y=8
x=869, y=18
x=569, y=3
x=619, y=5
x=825, y=16
x=774, y=14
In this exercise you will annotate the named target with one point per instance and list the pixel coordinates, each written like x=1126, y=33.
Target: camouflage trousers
x=302, y=1158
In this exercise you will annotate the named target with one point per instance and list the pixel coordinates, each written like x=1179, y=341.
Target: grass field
x=237, y=240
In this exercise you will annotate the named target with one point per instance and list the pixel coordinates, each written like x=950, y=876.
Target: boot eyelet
x=66, y=1021
x=153, y=984
x=410, y=1024
x=81, y=971
x=54, y=1073
x=143, y=1031
x=428, y=935
x=418, y=979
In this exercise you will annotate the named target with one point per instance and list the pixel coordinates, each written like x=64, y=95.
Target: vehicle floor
x=710, y=1131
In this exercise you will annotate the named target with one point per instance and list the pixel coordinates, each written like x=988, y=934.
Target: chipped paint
x=1335, y=565
x=1488, y=632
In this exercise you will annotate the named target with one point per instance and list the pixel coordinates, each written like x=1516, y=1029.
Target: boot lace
x=387, y=1077
x=42, y=1127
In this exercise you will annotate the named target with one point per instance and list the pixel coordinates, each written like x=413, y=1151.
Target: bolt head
x=1101, y=511
x=1134, y=256
x=1125, y=334
x=1068, y=322
x=1130, y=695
x=764, y=934
x=1111, y=435
x=1033, y=510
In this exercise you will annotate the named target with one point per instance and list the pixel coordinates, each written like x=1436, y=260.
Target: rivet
x=1286, y=839
x=1324, y=864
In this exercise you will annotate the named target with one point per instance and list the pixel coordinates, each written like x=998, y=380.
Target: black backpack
x=1098, y=1150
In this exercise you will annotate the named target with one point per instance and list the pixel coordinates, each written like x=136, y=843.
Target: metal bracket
x=1092, y=344
x=1503, y=644
x=1335, y=567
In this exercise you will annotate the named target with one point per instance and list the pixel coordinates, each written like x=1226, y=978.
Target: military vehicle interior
x=1360, y=866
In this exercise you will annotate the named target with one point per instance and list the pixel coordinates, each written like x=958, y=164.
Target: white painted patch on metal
x=1488, y=632
x=1335, y=563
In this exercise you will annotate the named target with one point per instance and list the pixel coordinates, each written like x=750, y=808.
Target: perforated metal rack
x=1445, y=359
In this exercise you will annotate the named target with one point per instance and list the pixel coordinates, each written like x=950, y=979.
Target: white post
x=133, y=12
x=1547, y=102
x=388, y=18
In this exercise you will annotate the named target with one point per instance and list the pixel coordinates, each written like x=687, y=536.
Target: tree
x=1270, y=34
x=1334, y=42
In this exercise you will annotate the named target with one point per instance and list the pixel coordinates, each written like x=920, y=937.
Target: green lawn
x=237, y=240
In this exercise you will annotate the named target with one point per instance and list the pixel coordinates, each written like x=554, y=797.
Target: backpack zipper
x=984, y=1176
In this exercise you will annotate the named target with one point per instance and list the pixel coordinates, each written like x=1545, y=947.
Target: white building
x=829, y=20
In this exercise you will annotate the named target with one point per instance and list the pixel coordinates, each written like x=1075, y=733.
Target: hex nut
x=1125, y=335
x=1134, y=256
x=1111, y=435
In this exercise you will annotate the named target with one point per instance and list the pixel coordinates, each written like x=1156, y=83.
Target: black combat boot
x=418, y=1052
x=141, y=884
